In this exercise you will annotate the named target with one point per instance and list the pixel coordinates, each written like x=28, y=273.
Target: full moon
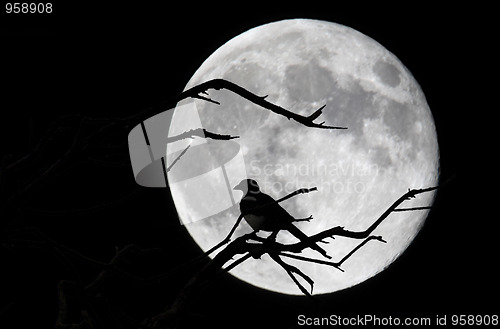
x=390, y=145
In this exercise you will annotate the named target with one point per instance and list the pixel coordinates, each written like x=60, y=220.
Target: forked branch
x=251, y=245
x=340, y=231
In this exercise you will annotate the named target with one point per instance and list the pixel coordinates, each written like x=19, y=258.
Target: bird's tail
x=303, y=237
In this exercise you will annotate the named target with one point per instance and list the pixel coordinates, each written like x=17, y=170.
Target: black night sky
x=112, y=62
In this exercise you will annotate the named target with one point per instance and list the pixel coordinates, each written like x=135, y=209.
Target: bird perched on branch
x=263, y=213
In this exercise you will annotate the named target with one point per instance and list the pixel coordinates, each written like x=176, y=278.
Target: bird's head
x=249, y=185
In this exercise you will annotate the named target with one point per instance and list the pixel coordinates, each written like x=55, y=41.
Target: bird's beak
x=242, y=186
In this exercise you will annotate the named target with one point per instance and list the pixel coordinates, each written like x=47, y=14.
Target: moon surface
x=390, y=144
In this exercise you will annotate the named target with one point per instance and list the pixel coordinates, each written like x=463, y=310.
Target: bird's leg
x=252, y=235
x=273, y=235
x=303, y=219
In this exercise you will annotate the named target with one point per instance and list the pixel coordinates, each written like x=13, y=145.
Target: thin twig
x=312, y=260
x=292, y=269
x=365, y=241
x=177, y=159
x=412, y=209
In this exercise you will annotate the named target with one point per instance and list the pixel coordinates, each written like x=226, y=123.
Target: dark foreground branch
x=340, y=231
x=218, y=84
x=199, y=132
x=290, y=270
x=252, y=246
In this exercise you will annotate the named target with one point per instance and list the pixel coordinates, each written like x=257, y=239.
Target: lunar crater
x=349, y=106
x=387, y=73
x=308, y=83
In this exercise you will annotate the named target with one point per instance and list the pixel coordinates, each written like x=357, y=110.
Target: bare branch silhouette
x=290, y=270
x=246, y=246
x=218, y=84
x=412, y=209
x=199, y=132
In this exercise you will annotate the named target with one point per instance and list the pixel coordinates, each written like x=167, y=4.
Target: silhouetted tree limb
x=199, y=132
x=218, y=84
x=39, y=148
x=412, y=209
x=113, y=266
x=75, y=295
x=240, y=246
x=313, y=260
x=290, y=270
x=6, y=308
x=86, y=210
x=174, y=162
x=340, y=231
x=83, y=147
x=251, y=245
x=273, y=246
x=69, y=313
x=41, y=174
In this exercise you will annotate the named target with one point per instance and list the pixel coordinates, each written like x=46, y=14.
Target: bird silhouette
x=263, y=213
